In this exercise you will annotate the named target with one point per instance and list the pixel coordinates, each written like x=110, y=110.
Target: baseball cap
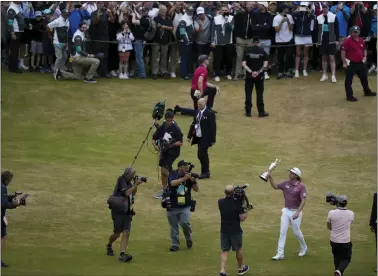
x=375, y=7
x=182, y=163
x=190, y=9
x=304, y=4
x=342, y=198
x=46, y=11
x=325, y=5
x=200, y=10
x=202, y=58
x=38, y=13
x=255, y=39
x=296, y=171
x=265, y=4
x=355, y=29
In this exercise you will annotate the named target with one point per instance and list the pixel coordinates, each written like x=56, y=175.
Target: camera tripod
x=154, y=124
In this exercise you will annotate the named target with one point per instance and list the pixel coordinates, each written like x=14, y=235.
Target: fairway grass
x=67, y=142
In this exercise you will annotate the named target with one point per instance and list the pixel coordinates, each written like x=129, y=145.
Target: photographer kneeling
x=179, y=203
x=167, y=139
x=121, y=202
x=232, y=213
x=339, y=221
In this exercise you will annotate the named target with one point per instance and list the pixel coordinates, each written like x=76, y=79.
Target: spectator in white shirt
x=125, y=47
x=339, y=221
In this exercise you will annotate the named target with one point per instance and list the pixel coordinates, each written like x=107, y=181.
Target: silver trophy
x=265, y=176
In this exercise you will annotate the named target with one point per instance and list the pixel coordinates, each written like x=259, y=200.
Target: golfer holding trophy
x=295, y=196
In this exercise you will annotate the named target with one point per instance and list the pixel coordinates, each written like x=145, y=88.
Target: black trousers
x=342, y=254
x=14, y=48
x=103, y=47
x=258, y=82
x=210, y=92
x=202, y=49
x=285, y=57
x=358, y=69
x=223, y=55
x=372, y=45
x=203, y=156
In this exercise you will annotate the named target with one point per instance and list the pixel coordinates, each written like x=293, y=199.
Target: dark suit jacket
x=373, y=215
x=208, y=128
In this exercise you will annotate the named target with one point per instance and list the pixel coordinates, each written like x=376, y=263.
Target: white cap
x=375, y=7
x=265, y=4
x=296, y=171
x=200, y=10
x=305, y=4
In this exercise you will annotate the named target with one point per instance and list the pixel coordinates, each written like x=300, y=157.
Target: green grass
x=67, y=142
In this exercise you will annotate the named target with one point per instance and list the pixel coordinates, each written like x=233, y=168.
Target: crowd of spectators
x=160, y=39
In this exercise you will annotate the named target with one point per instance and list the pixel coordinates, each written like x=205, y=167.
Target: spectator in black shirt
x=36, y=48
x=231, y=233
x=7, y=202
x=162, y=39
x=255, y=62
x=126, y=187
x=167, y=139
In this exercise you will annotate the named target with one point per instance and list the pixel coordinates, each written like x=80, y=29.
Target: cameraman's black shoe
x=125, y=258
x=243, y=270
x=109, y=250
x=4, y=264
x=174, y=249
x=262, y=115
x=189, y=244
x=222, y=274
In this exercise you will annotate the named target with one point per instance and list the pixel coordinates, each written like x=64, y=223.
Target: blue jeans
x=186, y=59
x=138, y=47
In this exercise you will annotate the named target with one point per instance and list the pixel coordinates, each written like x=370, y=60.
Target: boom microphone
x=245, y=186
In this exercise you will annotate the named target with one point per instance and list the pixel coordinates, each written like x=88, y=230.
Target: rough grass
x=66, y=142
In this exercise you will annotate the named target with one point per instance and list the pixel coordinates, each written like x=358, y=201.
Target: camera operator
x=7, y=202
x=181, y=182
x=339, y=221
x=167, y=139
x=232, y=213
x=373, y=220
x=125, y=189
x=295, y=197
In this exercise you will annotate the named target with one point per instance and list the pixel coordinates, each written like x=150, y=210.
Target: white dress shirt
x=198, y=125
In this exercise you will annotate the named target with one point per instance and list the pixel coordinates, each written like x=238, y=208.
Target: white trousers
x=286, y=219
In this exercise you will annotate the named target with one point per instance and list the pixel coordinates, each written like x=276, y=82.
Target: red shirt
x=354, y=49
x=200, y=71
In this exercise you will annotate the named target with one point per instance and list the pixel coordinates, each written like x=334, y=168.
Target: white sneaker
x=334, y=79
x=125, y=77
x=305, y=74
x=302, y=252
x=337, y=273
x=173, y=75
x=296, y=73
x=266, y=76
x=23, y=67
x=113, y=73
x=217, y=79
x=324, y=78
x=278, y=257
x=120, y=76
x=229, y=77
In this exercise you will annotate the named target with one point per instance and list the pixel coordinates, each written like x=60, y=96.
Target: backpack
x=151, y=31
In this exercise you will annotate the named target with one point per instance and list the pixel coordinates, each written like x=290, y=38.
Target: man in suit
x=203, y=132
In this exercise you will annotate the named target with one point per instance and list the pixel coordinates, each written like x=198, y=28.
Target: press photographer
x=232, y=213
x=339, y=221
x=179, y=203
x=8, y=202
x=167, y=139
x=121, y=203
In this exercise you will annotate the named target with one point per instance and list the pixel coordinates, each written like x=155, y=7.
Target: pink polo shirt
x=340, y=220
x=293, y=193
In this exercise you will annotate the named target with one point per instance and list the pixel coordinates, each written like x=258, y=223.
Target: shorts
x=266, y=44
x=36, y=47
x=303, y=40
x=328, y=49
x=166, y=161
x=121, y=222
x=3, y=228
x=234, y=241
x=124, y=56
